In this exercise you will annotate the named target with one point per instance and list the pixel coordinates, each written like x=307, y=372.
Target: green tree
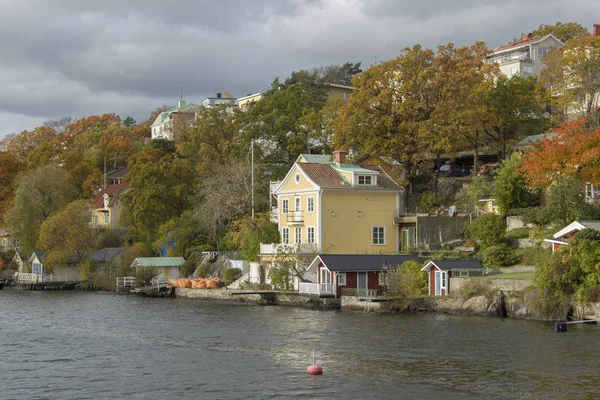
x=406, y=281
x=510, y=188
x=39, y=193
x=67, y=235
x=469, y=195
x=488, y=229
x=246, y=234
x=9, y=169
x=566, y=203
x=563, y=31
x=129, y=121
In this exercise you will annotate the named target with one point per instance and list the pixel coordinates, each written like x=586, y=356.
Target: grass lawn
x=513, y=275
x=519, y=233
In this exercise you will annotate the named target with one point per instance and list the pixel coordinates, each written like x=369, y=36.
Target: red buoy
x=314, y=369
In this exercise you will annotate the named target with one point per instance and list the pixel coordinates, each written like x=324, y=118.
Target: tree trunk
x=475, y=161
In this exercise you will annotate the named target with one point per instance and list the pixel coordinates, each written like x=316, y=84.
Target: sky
x=84, y=57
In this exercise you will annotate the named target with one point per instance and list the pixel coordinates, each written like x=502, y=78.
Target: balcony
x=275, y=215
x=273, y=248
x=295, y=217
x=317, y=289
x=508, y=58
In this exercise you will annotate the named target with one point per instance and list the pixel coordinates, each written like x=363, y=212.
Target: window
x=344, y=95
x=285, y=206
x=443, y=280
x=298, y=235
x=285, y=235
x=310, y=233
x=513, y=71
x=96, y=219
x=365, y=180
x=106, y=218
x=310, y=204
x=36, y=268
x=379, y=235
x=297, y=178
x=528, y=70
x=382, y=279
x=541, y=51
x=297, y=204
x=342, y=279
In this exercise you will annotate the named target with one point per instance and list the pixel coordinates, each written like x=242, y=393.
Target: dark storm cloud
x=82, y=57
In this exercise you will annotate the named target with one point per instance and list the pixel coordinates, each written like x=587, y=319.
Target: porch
x=317, y=289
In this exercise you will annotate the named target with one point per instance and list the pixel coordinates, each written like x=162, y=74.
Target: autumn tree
x=247, y=233
x=67, y=235
x=22, y=144
x=39, y=193
x=563, y=31
x=574, y=151
x=9, y=169
x=573, y=74
x=161, y=188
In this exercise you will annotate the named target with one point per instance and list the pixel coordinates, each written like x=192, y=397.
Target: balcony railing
x=273, y=248
x=295, y=217
x=318, y=289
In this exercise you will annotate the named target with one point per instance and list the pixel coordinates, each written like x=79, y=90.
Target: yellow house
x=325, y=204
x=106, y=208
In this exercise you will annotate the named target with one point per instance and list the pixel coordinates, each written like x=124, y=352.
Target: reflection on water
x=92, y=345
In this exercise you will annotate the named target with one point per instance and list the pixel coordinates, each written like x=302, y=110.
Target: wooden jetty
x=48, y=281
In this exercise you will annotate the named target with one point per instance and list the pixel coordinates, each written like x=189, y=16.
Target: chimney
x=596, y=31
x=218, y=95
x=526, y=36
x=339, y=156
x=181, y=103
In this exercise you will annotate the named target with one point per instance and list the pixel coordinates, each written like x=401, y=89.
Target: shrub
x=474, y=287
x=143, y=276
x=532, y=255
x=489, y=229
x=498, y=256
x=230, y=275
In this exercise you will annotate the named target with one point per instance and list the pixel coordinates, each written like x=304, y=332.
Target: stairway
x=235, y=285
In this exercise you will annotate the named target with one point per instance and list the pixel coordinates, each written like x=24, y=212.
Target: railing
x=160, y=283
x=304, y=248
x=35, y=278
x=327, y=289
x=295, y=217
x=125, y=281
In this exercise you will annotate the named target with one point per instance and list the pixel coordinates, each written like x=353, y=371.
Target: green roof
x=158, y=262
x=529, y=140
x=317, y=158
x=186, y=108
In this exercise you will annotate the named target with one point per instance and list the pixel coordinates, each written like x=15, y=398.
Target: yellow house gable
x=296, y=180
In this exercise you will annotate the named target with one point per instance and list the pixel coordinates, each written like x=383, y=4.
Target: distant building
x=107, y=207
x=173, y=119
x=116, y=177
x=219, y=101
x=524, y=57
x=245, y=102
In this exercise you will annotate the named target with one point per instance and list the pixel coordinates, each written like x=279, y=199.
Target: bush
x=498, y=256
x=489, y=229
x=532, y=255
x=474, y=287
x=230, y=275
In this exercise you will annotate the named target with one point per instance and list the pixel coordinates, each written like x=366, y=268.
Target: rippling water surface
x=74, y=345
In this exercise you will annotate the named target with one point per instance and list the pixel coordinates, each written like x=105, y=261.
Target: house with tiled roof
x=566, y=234
x=524, y=57
x=169, y=121
x=107, y=207
x=326, y=204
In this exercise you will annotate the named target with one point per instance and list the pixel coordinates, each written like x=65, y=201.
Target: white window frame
x=443, y=278
x=310, y=234
x=310, y=204
x=382, y=278
x=542, y=51
x=285, y=235
x=298, y=204
x=106, y=218
x=364, y=179
x=297, y=178
x=298, y=235
x=378, y=233
x=342, y=279
x=285, y=206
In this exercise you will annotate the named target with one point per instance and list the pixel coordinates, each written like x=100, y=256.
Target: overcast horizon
x=79, y=58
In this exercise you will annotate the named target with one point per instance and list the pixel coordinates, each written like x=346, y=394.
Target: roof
x=41, y=256
x=362, y=262
x=326, y=176
x=158, y=262
x=521, y=43
x=113, y=191
x=529, y=140
x=118, y=173
x=104, y=255
x=448, y=265
x=577, y=226
x=316, y=158
x=185, y=108
x=337, y=85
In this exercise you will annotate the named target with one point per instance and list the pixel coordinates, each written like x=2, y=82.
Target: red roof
x=519, y=43
x=326, y=177
x=112, y=191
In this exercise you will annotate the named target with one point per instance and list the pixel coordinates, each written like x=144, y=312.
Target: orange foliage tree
x=573, y=152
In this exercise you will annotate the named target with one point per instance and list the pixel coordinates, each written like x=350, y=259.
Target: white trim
x=428, y=266
x=297, y=237
x=308, y=228
x=339, y=275
x=444, y=281
x=287, y=228
x=573, y=226
x=555, y=241
x=497, y=52
x=384, y=235
x=319, y=222
x=288, y=176
x=292, y=192
x=282, y=199
x=318, y=261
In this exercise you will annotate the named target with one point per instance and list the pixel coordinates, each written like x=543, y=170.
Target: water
x=74, y=345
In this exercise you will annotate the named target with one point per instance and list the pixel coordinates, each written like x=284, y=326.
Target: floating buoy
x=314, y=369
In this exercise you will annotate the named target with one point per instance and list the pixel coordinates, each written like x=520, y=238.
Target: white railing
x=160, y=283
x=125, y=281
x=295, y=217
x=317, y=288
x=273, y=248
x=34, y=278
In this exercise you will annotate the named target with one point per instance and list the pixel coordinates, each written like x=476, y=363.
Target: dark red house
x=349, y=274
x=440, y=273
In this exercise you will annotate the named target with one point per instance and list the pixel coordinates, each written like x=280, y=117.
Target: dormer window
x=365, y=180
x=106, y=200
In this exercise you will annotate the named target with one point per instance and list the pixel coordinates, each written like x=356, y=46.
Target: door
x=174, y=273
x=438, y=290
x=404, y=240
x=361, y=284
x=325, y=276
